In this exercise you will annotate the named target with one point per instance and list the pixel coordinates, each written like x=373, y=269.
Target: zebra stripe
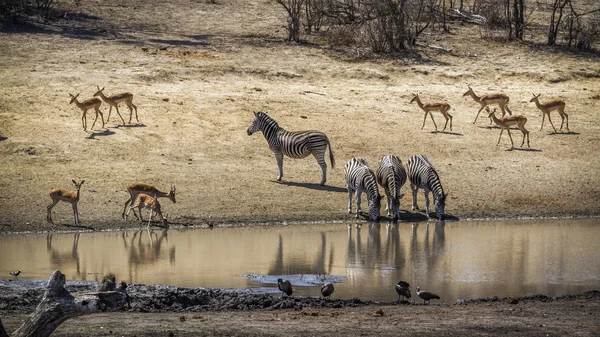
x=391, y=175
x=422, y=175
x=360, y=178
x=298, y=144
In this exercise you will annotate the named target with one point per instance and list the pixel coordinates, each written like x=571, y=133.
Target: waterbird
x=327, y=289
x=403, y=289
x=285, y=287
x=426, y=296
x=15, y=273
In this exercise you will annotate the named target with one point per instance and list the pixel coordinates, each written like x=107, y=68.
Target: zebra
x=359, y=178
x=422, y=175
x=294, y=144
x=391, y=175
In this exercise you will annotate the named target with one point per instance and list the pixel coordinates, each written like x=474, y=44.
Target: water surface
x=457, y=260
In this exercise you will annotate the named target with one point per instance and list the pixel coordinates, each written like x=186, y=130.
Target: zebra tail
x=331, y=155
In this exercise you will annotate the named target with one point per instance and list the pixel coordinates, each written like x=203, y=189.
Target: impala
x=135, y=189
x=428, y=107
x=547, y=107
x=507, y=122
x=92, y=103
x=115, y=100
x=489, y=99
x=147, y=201
x=59, y=194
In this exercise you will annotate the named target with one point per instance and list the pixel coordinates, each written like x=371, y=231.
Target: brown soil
x=197, y=71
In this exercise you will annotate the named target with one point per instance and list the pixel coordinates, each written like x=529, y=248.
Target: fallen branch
x=58, y=305
x=448, y=50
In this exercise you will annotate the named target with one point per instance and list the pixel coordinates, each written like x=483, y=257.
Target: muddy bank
x=21, y=297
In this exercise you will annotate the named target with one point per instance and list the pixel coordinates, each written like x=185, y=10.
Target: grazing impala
x=92, y=103
x=59, y=194
x=489, y=99
x=428, y=107
x=115, y=100
x=507, y=122
x=135, y=189
x=147, y=201
x=547, y=107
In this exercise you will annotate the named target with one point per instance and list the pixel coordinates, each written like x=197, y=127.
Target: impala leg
x=543, y=118
x=279, y=158
x=49, y=213
x=445, y=116
x=501, y=130
x=431, y=115
x=84, y=121
x=109, y=111
x=95, y=119
x=567, y=118
x=101, y=116
x=136, y=115
x=483, y=106
x=140, y=211
x=424, y=119
x=75, y=215
x=118, y=113
x=550, y=120
x=449, y=115
x=124, y=209
x=130, y=113
x=512, y=145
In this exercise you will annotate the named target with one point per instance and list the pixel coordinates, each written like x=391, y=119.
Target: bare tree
x=293, y=8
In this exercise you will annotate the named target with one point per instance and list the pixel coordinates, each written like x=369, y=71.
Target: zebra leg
x=279, y=157
x=388, y=204
x=350, y=192
x=426, y=201
x=358, y=210
x=321, y=160
x=414, y=190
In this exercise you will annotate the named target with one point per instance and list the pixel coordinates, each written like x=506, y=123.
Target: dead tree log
x=58, y=305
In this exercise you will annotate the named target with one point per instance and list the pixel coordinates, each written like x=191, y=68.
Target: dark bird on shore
x=122, y=288
x=403, y=289
x=15, y=273
x=284, y=286
x=426, y=296
x=327, y=289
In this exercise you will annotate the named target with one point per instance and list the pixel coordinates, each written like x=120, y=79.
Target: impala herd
x=146, y=196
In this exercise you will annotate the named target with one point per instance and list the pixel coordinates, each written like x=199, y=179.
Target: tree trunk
x=58, y=305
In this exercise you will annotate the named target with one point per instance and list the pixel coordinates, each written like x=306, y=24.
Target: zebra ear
x=255, y=114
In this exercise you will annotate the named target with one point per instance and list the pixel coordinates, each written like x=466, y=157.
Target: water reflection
x=454, y=260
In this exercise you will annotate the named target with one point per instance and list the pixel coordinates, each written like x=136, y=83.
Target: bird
x=327, y=289
x=284, y=286
x=403, y=289
x=426, y=296
x=15, y=273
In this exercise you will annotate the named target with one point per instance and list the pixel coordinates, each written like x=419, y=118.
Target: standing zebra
x=391, y=175
x=298, y=144
x=359, y=178
x=422, y=175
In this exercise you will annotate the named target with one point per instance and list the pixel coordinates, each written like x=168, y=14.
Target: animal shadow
x=312, y=186
x=3, y=138
x=448, y=133
x=106, y=132
x=137, y=125
x=80, y=226
x=563, y=133
x=528, y=149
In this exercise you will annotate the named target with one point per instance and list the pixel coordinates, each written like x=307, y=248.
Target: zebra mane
x=266, y=119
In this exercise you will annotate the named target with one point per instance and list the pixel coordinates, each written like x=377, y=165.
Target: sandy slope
x=196, y=78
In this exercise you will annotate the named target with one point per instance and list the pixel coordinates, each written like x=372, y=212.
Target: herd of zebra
x=390, y=174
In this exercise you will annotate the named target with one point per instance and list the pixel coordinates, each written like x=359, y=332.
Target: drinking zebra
x=360, y=178
x=294, y=144
x=391, y=175
x=422, y=175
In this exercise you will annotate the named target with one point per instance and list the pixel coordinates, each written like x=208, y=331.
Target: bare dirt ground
x=197, y=78
x=198, y=70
